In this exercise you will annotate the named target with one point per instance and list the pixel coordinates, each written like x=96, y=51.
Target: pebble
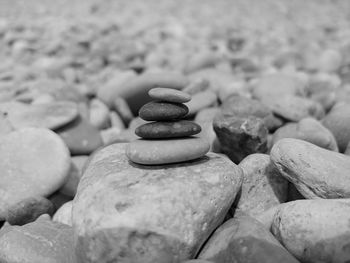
x=330, y=60
x=98, y=114
x=309, y=130
x=159, y=130
x=244, y=239
x=293, y=108
x=64, y=214
x=200, y=101
x=123, y=110
x=298, y=227
x=28, y=210
x=240, y=137
x=41, y=241
x=24, y=158
x=81, y=137
x=263, y=187
x=338, y=122
x=153, y=152
x=133, y=205
x=75, y=173
x=244, y=107
x=163, y=111
x=49, y=115
x=169, y=95
x=315, y=172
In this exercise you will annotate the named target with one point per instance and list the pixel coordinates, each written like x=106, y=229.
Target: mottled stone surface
x=28, y=210
x=315, y=172
x=159, y=130
x=133, y=213
x=263, y=186
x=244, y=239
x=163, y=111
x=315, y=230
x=240, y=137
x=42, y=241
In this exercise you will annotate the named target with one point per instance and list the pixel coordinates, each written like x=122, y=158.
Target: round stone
x=171, y=95
x=163, y=111
x=33, y=162
x=159, y=130
x=167, y=151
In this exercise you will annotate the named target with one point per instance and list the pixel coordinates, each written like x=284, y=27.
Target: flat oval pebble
x=48, y=115
x=163, y=111
x=33, y=162
x=171, y=95
x=167, y=151
x=176, y=129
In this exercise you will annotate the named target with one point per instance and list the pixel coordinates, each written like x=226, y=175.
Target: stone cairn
x=167, y=138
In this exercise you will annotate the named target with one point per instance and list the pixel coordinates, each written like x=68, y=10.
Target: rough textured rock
x=315, y=230
x=175, y=129
x=33, y=162
x=162, y=111
x=244, y=240
x=315, y=172
x=42, y=241
x=338, y=122
x=309, y=130
x=240, y=137
x=51, y=115
x=263, y=186
x=28, y=210
x=240, y=106
x=130, y=213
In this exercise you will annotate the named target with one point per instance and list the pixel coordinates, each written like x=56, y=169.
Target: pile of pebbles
x=170, y=139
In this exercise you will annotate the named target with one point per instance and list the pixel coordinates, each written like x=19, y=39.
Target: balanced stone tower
x=167, y=138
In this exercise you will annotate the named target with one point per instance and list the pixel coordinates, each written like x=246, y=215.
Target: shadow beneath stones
x=198, y=161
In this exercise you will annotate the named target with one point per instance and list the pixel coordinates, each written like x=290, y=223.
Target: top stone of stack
x=168, y=138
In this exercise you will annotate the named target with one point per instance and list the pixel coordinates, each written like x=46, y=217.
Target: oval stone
x=167, y=151
x=170, y=95
x=33, y=162
x=125, y=212
x=159, y=130
x=163, y=111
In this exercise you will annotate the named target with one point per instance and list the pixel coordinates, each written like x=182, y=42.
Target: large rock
x=244, y=239
x=315, y=230
x=33, y=162
x=315, y=172
x=132, y=213
x=42, y=241
x=263, y=187
x=244, y=107
x=309, y=130
x=240, y=137
x=338, y=122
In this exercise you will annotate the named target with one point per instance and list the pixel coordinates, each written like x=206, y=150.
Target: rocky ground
x=264, y=86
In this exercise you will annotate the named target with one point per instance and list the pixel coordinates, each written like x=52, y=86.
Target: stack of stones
x=167, y=138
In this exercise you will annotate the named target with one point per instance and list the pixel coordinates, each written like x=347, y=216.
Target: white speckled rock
x=315, y=231
x=315, y=172
x=125, y=212
x=153, y=152
x=33, y=162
